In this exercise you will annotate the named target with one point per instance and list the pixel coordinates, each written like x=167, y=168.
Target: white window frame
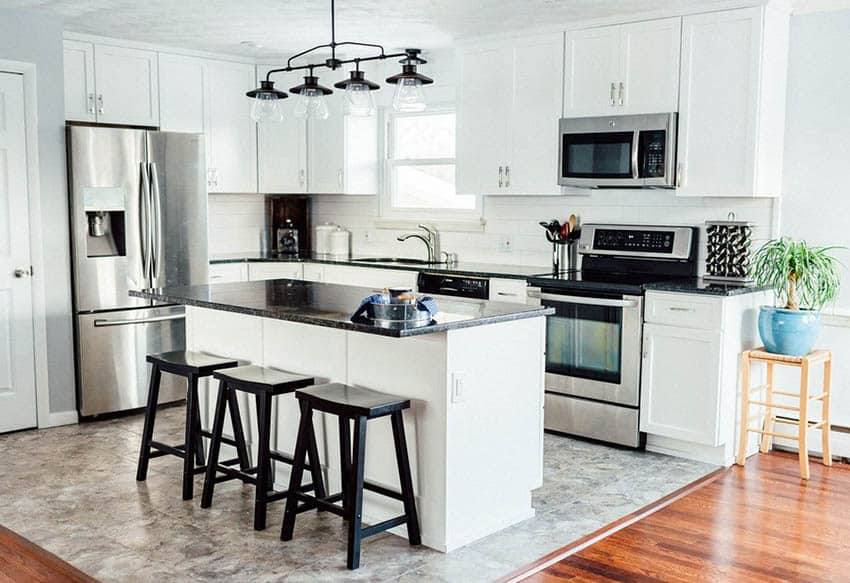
x=472, y=216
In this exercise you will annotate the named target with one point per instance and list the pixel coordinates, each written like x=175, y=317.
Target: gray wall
x=37, y=39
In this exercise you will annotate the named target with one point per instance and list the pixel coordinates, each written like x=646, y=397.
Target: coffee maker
x=289, y=225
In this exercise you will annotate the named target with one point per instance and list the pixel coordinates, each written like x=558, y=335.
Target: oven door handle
x=605, y=302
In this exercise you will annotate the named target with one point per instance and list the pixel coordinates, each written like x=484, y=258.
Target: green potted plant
x=805, y=278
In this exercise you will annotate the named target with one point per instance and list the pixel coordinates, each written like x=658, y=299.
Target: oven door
x=593, y=346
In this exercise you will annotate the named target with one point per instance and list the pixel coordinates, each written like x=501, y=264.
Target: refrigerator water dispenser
x=104, y=209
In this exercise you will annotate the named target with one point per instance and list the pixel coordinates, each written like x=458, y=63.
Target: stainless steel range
x=594, y=339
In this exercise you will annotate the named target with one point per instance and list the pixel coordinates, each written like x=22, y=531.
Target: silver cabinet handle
x=105, y=323
x=302, y=176
x=340, y=178
x=90, y=101
x=501, y=174
x=613, y=93
x=507, y=176
x=509, y=294
x=100, y=103
x=22, y=272
x=678, y=309
x=622, y=91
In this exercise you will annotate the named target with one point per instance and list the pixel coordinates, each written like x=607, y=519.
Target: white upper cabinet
x=109, y=84
x=231, y=132
x=507, y=117
x=79, y=82
x=282, y=150
x=623, y=69
x=182, y=94
x=732, y=103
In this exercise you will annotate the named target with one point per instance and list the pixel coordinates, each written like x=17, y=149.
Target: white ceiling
x=284, y=26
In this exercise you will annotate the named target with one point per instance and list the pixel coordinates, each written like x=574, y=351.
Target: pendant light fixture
x=359, y=100
x=409, y=96
x=311, y=101
x=358, y=93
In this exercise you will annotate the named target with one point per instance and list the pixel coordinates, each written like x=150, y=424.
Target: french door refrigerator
x=138, y=220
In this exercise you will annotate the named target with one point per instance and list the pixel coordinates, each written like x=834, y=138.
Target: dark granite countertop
x=701, y=286
x=460, y=268
x=331, y=305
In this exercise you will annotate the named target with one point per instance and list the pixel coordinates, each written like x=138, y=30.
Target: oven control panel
x=624, y=240
x=637, y=241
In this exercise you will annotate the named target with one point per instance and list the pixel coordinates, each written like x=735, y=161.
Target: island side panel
x=495, y=426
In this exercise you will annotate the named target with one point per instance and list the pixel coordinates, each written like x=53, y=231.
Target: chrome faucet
x=431, y=240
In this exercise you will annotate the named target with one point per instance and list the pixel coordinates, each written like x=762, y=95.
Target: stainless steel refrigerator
x=138, y=220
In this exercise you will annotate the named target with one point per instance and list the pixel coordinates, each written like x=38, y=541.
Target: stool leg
x=767, y=440
x=405, y=479
x=802, y=436
x=355, y=494
x=150, y=419
x=301, y=444
x=215, y=444
x=345, y=461
x=745, y=407
x=264, y=477
x=199, y=439
x=827, y=382
x=315, y=466
x=238, y=432
x=189, y=452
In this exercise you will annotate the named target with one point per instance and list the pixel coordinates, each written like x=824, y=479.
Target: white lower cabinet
x=228, y=272
x=314, y=272
x=508, y=290
x=274, y=270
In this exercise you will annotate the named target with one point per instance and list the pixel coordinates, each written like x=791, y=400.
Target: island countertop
x=331, y=305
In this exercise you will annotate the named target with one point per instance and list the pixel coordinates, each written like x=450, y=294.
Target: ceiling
x=281, y=27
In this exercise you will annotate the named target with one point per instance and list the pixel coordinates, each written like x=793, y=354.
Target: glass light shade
x=266, y=108
x=311, y=104
x=358, y=100
x=409, y=96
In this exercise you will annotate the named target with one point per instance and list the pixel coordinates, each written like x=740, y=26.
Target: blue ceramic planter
x=791, y=332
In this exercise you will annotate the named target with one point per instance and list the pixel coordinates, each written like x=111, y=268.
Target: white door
x=327, y=149
x=592, y=72
x=127, y=86
x=17, y=360
x=650, y=66
x=532, y=161
x=482, y=116
x=79, y=81
x=680, y=383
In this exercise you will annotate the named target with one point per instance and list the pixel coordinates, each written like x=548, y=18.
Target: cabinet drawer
x=314, y=272
x=684, y=310
x=283, y=270
x=508, y=290
x=228, y=272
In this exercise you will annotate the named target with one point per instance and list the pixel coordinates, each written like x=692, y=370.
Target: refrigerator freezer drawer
x=112, y=346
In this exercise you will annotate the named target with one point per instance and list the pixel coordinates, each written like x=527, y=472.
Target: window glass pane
x=424, y=136
x=430, y=186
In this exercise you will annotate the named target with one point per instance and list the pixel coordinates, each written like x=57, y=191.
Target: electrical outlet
x=367, y=235
x=506, y=244
x=458, y=387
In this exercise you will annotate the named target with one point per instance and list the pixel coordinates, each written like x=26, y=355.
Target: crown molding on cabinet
x=173, y=50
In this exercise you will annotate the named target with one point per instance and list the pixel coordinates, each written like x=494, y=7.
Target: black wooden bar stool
x=191, y=366
x=359, y=405
x=264, y=383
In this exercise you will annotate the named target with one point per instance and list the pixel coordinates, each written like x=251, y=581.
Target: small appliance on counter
x=727, y=257
x=340, y=243
x=322, y=238
x=288, y=224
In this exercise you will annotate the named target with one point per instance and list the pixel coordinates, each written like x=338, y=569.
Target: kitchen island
x=474, y=376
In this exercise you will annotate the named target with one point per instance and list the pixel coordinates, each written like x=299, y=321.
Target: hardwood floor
x=22, y=561
x=761, y=523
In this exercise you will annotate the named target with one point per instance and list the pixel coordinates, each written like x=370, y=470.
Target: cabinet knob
x=22, y=272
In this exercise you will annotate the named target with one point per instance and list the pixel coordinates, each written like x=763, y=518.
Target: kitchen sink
x=397, y=260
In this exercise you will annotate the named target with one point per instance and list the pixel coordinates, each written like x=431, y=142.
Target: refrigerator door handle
x=156, y=223
x=145, y=223
x=99, y=323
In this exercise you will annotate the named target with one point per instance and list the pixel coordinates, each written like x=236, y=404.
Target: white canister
x=322, y=238
x=340, y=243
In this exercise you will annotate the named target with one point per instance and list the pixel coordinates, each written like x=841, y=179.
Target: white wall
x=37, y=39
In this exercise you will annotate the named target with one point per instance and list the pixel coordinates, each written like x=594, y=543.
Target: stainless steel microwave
x=618, y=151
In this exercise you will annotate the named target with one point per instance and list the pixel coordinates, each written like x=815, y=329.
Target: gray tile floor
x=73, y=490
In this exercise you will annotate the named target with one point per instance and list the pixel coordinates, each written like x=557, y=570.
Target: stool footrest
x=820, y=397
x=281, y=457
x=165, y=449
x=775, y=405
x=812, y=424
x=382, y=526
x=378, y=489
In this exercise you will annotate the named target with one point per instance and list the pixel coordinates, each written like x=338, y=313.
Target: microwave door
x=596, y=159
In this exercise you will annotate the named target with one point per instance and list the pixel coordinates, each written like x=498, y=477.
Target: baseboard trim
x=62, y=418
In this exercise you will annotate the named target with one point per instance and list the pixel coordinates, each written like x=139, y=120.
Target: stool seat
x=813, y=357
x=257, y=379
x=186, y=362
x=350, y=401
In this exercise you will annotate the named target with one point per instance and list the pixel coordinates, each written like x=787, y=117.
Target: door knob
x=23, y=272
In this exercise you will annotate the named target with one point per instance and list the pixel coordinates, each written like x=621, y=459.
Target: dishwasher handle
x=605, y=302
x=101, y=323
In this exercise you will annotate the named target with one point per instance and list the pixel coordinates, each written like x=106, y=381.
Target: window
x=420, y=173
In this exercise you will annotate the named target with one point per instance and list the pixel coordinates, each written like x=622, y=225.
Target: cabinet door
x=592, y=71
x=182, y=94
x=230, y=130
x=680, y=386
x=79, y=81
x=718, y=101
x=650, y=66
x=127, y=86
x=483, y=109
x=360, y=166
x=326, y=144
x=282, y=150
x=532, y=160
